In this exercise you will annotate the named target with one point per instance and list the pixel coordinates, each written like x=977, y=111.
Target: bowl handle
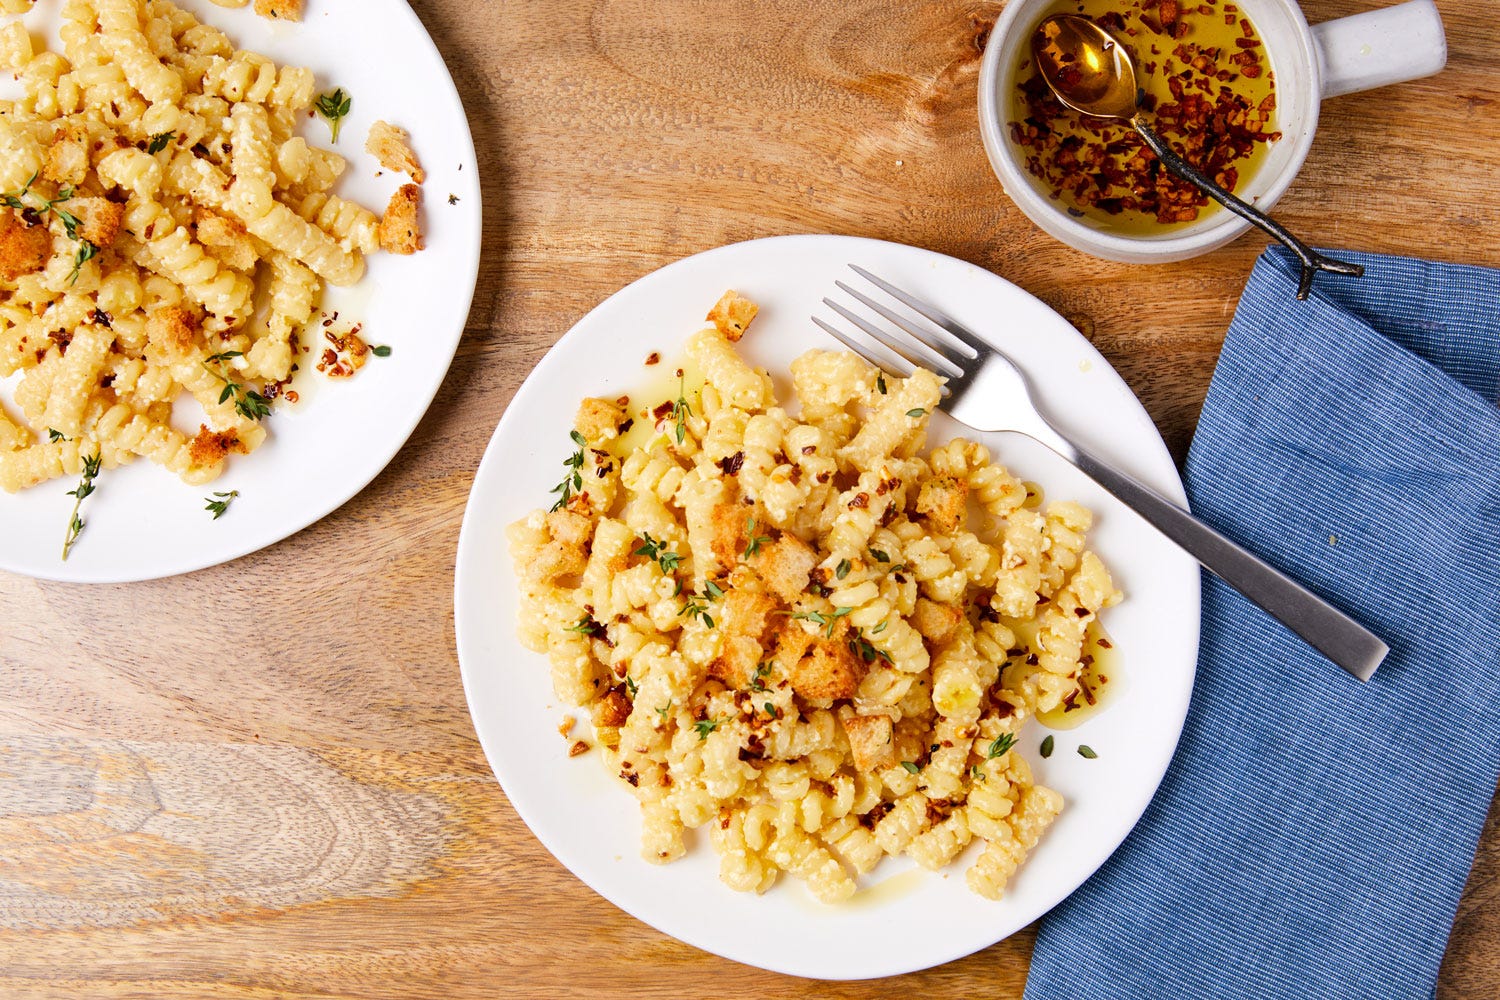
x=1379, y=47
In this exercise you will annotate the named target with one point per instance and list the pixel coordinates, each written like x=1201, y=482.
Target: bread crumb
x=399, y=231
x=566, y=725
x=732, y=315
x=391, y=145
x=283, y=10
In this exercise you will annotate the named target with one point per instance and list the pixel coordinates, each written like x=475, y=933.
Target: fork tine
x=943, y=360
x=882, y=358
x=955, y=331
x=913, y=350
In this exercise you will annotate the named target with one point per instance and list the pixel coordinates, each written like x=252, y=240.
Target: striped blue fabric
x=1313, y=835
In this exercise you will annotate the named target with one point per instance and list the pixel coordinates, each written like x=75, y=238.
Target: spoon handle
x=1312, y=260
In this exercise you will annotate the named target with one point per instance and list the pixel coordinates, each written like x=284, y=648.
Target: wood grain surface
x=261, y=781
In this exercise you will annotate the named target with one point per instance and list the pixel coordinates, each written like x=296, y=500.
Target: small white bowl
x=1338, y=57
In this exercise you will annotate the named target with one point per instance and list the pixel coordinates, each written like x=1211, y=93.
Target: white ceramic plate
x=142, y=521
x=910, y=919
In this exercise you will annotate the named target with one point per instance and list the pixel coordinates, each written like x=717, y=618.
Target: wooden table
x=261, y=781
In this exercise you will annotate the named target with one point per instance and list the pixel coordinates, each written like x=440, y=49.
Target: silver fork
x=986, y=391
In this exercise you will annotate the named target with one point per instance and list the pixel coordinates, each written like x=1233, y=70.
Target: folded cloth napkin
x=1313, y=834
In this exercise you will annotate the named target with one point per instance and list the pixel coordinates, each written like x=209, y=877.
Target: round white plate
x=912, y=918
x=143, y=522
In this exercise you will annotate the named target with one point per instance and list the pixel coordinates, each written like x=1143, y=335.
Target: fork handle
x=1327, y=629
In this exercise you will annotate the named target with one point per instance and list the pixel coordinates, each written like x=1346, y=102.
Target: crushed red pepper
x=1103, y=166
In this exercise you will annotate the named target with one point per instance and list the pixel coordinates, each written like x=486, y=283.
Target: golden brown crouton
x=391, y=145
x=788, y=641
x=827, y=672
x=729, y=537
x=23, y=248
x=226, y=237
x=67, y=157
x=785, y=565
x=613, y=709
x=935, y=622
x=99, y=219
x=399, y=231
x=172, y=331
x=747, y=612
x=737, y=660
x=942, y=502
x=732, y=314
x=599, y=420
x=871, y=741
x=570, y=528
x=556, y=559
x=285, y=10
x=212, y=447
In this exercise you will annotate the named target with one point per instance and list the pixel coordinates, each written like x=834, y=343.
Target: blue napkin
x=1313, y=834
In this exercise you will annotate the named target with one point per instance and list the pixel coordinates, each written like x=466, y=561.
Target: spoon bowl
x=1085, y=67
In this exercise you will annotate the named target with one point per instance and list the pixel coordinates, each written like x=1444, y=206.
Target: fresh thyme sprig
x=84, y=489
x=160, y=141
x=862, y=648
x=220, y=505
x=681, y=410
x=651, y=548
x=572, y=479
x=247, y=402
x=1002, y=743
x=705, y=727
x=754, y=541
x=586, y=626
x=825, y=620
x=697, y=604
x=334, y=106
x=762, y=671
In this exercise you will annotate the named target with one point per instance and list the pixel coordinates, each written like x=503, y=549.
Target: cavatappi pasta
x=165, y=232
x=787, y=629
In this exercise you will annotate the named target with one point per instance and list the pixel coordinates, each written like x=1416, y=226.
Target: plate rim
x=873, y=968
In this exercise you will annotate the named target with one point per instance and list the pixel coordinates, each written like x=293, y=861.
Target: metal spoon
x=1092, y=73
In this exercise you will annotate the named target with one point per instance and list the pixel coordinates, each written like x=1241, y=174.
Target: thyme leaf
x=334, y=106
x=219, y=506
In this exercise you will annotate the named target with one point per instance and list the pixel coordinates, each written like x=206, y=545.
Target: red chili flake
x=731, y=465
x=653, y=358
x=860, y=501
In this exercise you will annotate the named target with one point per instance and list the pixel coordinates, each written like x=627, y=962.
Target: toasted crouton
x=284, y=10
x=569, y=527
x=67, y=157
x=599, y=420
x=786, y=565
x=399, y=230
x=99, y=219
x=827, y=672
x=871, y=741
x=556, y=559
x=788, y=641
x=613, y=709
x=226, y=237
x=732, y=314
x=747, y=612
x=391, y=145
x=935, y=622
x=23, y=248
x=729, y=521
x=173, y=332
x=942, y=502
x=209, y=448
x=737, y=660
